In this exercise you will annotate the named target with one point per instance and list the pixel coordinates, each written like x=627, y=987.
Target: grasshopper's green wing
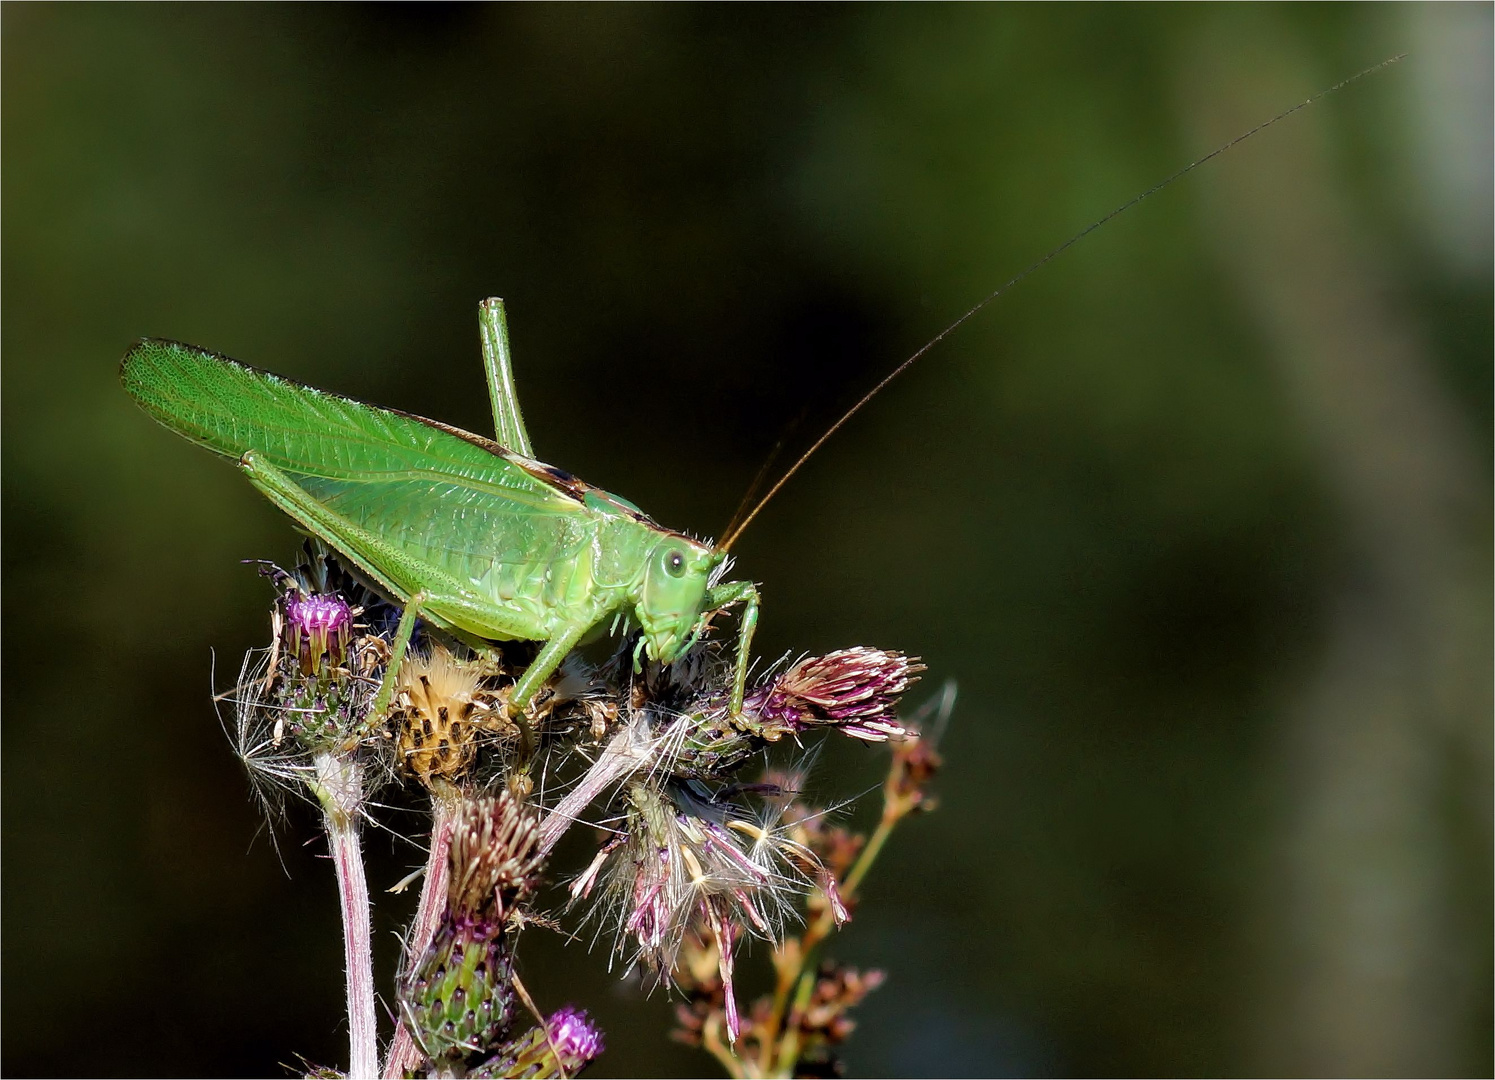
x=442, y=505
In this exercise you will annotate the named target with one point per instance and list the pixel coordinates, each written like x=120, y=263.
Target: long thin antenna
x=752, y=492
x=747, y=501
x=732, y=536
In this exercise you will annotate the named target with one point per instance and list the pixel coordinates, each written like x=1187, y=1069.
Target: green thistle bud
x=461, y=999
x=315, y=634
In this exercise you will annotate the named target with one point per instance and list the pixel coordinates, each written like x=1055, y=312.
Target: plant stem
x=788, y=1049
x=339, y=788
x=630, y=750
x=869, y=854
x=711, y=1040
x=781, y=1045
x=445, y=801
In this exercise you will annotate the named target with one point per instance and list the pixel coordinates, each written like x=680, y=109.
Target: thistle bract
x=462, y=998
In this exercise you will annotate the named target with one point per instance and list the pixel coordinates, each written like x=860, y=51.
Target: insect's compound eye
x=674, y=562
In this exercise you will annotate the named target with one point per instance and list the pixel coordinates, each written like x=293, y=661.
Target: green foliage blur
x=1198, y=516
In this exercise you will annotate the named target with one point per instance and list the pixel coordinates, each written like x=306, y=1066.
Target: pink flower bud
x=856, y=690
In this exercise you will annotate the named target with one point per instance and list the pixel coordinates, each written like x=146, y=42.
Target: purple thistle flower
x=575, y=1036
x=563, y=1047
x=855, y=690
x=319, y=626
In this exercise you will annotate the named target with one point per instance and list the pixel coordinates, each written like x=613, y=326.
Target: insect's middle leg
x=403, y=632
x=541, y=669
x=397, y=651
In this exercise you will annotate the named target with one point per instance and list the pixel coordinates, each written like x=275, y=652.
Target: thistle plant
x=708, y=838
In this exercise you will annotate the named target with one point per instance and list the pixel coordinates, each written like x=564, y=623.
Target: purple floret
x=575, y=1035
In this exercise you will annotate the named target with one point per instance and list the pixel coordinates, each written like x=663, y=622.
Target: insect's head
x=674, y=595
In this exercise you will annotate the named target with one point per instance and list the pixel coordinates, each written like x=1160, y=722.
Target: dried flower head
x=441, y=705
x=914, y=766
x=824, y=1021
x=495, y=858
x=671, y=853
x=689, y=860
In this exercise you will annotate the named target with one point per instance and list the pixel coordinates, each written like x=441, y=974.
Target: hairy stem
x=339, y=787
x=445, y=801
x=630, y=750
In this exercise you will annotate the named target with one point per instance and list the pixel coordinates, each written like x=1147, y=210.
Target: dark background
x=1198, y=516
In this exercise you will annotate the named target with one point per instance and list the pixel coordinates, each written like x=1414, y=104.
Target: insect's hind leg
x=508, y=421
x=720, y=597
x=330, y=528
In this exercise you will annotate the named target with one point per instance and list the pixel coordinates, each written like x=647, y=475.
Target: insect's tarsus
x=735, y=532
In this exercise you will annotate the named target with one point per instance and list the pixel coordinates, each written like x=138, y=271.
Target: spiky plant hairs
x=678, y=849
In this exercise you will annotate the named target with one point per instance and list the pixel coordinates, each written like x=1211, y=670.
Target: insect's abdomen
x=517, y=570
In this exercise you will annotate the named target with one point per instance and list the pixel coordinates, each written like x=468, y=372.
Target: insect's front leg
x=731, y=593
x=397, y=651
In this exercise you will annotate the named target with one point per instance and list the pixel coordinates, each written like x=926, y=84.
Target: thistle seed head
x=686, y=858
x=838, y=989
x=441, y=704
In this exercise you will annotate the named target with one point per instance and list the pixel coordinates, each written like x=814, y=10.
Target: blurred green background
x=1198, y=516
